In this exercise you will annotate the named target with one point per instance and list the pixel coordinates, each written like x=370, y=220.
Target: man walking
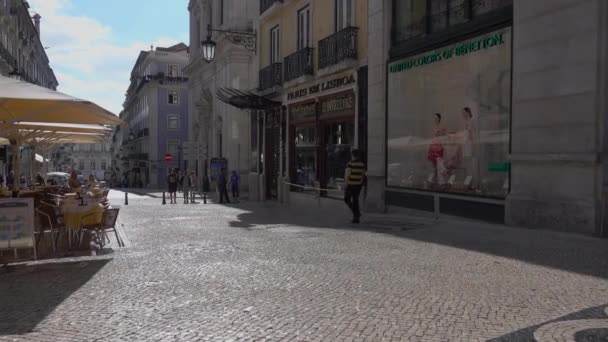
x=193, y=186
x=354, y=178
x=172, y=185
x=185, y=185
x=223, y=186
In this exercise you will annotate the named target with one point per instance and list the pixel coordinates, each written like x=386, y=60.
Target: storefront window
x=409, y=18
x=306, y=157
x=449, y=118
x=416, y=18
x=340, y=138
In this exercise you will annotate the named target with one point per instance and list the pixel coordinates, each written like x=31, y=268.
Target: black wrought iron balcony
x=271, y=76
x=144, y=132
x=338, y=47
x=266, y=4
x=298, y=64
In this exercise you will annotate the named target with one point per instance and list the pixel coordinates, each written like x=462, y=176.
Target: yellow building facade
x=313, y=61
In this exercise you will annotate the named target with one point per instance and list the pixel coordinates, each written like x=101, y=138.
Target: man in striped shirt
x=355, y=180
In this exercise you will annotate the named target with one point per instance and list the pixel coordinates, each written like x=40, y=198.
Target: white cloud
x=87, y=61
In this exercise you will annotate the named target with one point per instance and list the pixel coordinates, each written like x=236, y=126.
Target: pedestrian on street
x=181, y=181
x=172, y=186
x=185, y=184
x=10, y=180
x=355, y=179
x=193, y=187
x=206, y=187
x=223, y=186
x=235, y=182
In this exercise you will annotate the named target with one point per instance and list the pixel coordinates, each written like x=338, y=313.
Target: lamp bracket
x=245, y=39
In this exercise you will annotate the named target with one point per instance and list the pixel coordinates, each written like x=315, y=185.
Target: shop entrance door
x=272, y=161
x=337, y=141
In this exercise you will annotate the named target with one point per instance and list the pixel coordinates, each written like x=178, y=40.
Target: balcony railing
x=266, y=4
x=298, y=64
x=138, y=156
x=271, y=76
x=338, y=47
x=144, y=132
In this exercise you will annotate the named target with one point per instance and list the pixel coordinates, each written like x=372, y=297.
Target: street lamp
x=131, y=136
x=208, y=49
x=246, y=39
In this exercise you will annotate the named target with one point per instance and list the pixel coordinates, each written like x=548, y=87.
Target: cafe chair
x=45, y=225
x=108, y=224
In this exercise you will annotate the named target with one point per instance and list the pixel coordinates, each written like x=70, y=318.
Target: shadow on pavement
x=568, y=252
x=581, y=322
x=29, y=293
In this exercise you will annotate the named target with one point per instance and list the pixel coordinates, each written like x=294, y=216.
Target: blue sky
x=94, y=43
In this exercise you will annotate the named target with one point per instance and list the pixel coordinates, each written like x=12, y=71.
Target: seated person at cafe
x=73, y=182
x=92, y=182
x=40, y=180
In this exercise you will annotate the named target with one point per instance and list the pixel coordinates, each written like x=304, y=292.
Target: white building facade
x=220, y=130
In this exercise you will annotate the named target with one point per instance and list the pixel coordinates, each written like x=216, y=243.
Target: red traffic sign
x=168, y=157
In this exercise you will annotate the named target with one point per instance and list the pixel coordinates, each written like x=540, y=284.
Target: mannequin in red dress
x=436, y=150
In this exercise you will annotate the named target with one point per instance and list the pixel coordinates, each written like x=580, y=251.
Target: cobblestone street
x=262, y=272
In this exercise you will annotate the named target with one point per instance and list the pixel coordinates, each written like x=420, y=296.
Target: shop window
x=304, y=28
x=449, y=118
x=409, y=19
x=173, y=147
x=345, y=14
x=416, y=18
x=173, y=121
x=275, y=46
x=339, y=144
x=173, y=97
x=172, y=70
x=306, y=162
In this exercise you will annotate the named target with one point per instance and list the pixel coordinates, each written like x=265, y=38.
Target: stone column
x=379, y=22
x=558, y=114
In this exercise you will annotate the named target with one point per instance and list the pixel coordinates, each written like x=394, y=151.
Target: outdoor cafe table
x=75, y=216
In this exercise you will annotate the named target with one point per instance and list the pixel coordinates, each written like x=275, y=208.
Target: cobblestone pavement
x=261, y=272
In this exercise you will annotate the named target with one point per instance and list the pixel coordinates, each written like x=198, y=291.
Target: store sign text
x=338, y=104
x=321, y=87
x=471, y=46
x=302, y=112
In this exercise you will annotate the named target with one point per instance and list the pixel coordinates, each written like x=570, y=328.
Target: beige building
x=312, y=64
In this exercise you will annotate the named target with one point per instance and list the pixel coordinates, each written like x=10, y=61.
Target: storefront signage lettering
x=338, y=104
x=321, y=87
x=471, y=46
x=302, y=112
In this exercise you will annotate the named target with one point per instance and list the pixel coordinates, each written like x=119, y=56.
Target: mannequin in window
x=436, y=150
